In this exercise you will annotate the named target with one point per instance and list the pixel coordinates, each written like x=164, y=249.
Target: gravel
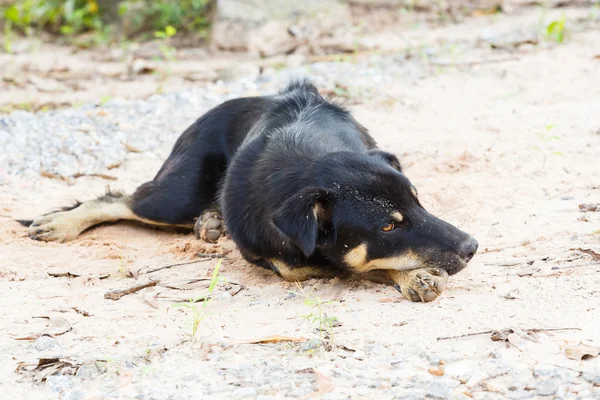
x=95, y=138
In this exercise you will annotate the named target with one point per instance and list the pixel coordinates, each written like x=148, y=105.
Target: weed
x=122, y=271
x=555, y=30
x=199, y=311
x=168, y=51
x=320, y=319
x=70, y=18
x=548, y=137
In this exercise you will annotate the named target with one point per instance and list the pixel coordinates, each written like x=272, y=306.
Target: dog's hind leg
x=67, y=224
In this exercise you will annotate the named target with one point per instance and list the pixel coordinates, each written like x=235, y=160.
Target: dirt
x=507, y=151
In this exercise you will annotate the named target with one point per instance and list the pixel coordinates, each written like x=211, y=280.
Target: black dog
x=303, y=191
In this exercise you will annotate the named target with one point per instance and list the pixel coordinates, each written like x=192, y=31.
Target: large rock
x=269, y=27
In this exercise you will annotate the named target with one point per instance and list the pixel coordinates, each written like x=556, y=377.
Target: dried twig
x=212, y=255
x=117, y=294
x=557, y=267
x=534, y=330
x=174, y=265
x=97, y=175
x=472, y=62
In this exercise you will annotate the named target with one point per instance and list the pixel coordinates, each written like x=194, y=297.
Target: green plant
x=555, y=30
x=548, y=137
x=122, y=270
x=199, y=311
x=319, y=318
x=135, y=18
x=168, y=51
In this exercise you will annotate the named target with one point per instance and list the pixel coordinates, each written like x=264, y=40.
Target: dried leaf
x=436, y=371
x=589, y=207
x=595, y=255
x=515, y=340
x=581, y=351
x=56, y=326
x=341, y=346
x=528, y=271
x=46, y=367
x=273, y=339
x=151, y=299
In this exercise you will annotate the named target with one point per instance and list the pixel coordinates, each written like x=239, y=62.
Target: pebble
x=74, y=394
x=460, y=371
x=244, y=393
x=546, y=387
x=592, y=375
x=476, y=378
x=45, y=343
x=437, y=390
x=58, y=383
x=310, y=345
x=87, y=371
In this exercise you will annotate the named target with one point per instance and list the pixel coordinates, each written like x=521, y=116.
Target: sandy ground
x=506, y=151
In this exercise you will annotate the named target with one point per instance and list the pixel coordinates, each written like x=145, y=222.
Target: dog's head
x=365, y=214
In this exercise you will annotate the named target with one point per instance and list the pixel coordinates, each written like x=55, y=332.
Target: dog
x=302, y=189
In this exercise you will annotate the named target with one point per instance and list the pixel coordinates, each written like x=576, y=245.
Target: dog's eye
x=390, y=226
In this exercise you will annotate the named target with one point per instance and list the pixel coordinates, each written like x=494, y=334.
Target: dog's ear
x=387, y=157
x=300, y=216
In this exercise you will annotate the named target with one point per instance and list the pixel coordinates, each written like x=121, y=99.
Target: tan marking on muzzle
x=357, y=259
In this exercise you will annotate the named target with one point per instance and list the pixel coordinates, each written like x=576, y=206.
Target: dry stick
x=117, y=294
x=471, y=63
x=175, y=265
x=486, y=332
x=557, y=268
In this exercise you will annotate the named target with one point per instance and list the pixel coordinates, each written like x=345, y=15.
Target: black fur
x=275, y=159
x=300, y=183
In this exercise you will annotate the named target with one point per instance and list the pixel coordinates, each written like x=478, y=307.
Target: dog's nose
x=467, y=249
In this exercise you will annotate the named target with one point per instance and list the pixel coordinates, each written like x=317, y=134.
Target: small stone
x=406, y=394
x=436, y=371
x=592, y=375
x=546, y=387
x=451, y=383
x=496, y=367
x=436, y=390
x=73, y=394
x=45, y=343
x=87, y=371
x=496, y=385
x=460, y=370
x=476, y=378
x=520, y=394
x=359, y=355
x=310, y=345
x=58, y=383
x=244, y=392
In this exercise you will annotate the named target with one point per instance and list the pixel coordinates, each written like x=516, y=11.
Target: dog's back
x=278, y=158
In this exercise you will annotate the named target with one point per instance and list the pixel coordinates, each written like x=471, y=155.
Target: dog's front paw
x=209, y=227
x=424, y=284
x=55, y=227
